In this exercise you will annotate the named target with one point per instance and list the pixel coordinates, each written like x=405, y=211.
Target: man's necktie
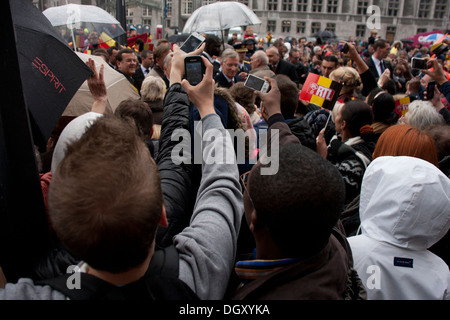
x=231, y=82
x=382, y=67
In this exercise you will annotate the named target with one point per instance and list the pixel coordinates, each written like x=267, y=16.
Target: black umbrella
x=51, y=72
x=177, y=38
x=326, y=36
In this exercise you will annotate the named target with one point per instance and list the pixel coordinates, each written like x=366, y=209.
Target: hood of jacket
x=71, y=133
x=405, y=201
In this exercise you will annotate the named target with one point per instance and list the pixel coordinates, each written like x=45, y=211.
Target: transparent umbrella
x=72, y=17
x=220, y=16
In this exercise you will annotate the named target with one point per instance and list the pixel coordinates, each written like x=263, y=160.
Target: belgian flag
x=320, y=91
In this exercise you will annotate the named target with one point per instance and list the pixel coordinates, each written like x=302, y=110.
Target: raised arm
x=207, y=247
x=97, y=86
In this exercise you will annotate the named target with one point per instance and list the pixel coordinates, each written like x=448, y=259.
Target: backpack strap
x=165, y=261
x=160, y=282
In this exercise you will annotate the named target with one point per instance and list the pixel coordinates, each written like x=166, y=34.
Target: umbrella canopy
x=78, y=16
x=409, y=41
x=220, y=16
x=51, y=72
x=326, y=36
x=433, y=37
x=177, y=38
x=118, y=89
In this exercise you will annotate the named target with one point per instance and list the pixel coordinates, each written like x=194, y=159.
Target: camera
x=418, y=64
x=256, y=83
x=194, y=69
x=193, y=42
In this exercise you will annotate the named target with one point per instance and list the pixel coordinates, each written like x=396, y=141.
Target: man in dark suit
x=280, y=66
x=377, y=64
x=144, y=68
x=230, y=67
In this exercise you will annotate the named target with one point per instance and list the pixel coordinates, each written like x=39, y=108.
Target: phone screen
x=194, y=73
x=430, y=90
x=191, y=44
x=254, y=83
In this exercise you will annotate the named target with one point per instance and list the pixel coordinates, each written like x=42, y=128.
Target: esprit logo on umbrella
x=42, y=67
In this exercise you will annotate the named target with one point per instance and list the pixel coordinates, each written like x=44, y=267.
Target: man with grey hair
x=227, y=77
x=260, y=65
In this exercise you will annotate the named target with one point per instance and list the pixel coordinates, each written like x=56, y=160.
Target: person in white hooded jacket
x=404, y=210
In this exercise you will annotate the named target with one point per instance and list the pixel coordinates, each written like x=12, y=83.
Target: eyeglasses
x=244, y=181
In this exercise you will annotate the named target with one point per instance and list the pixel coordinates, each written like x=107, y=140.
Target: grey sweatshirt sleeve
x=25, y=289
x=207, y=246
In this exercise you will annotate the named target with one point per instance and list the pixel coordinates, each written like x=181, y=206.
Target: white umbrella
x=117, y=86
x=78, y=16
x=220, y=16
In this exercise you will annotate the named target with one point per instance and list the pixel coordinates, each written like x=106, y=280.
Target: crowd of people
x=358, y=208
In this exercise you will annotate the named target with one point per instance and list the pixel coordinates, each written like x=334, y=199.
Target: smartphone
x=193, y=42
x=430, y=89
x=194, y=69
x=256, y=83
x=418, y=64
x=343, y=47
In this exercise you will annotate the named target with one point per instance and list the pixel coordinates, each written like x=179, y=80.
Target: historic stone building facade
x=346, y=18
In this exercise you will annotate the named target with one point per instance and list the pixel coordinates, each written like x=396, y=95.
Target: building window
x=271, y=25
x=315, y=27
x=302, y=5
x=421, y=30
x=129, y=12
x=186, y=6
x=317, y=5
x=439, y=9
x=169, y=8
x=146, y=11
x=301, y=27
x=286, y=26
x=391, y=29
x=272, y=5
x=129, y=21
x=361, y=30
x=393, y=7
x=424, y=8
x=331, y=27
x=147, y=21
x=332, y=6
x=206, y=2
x=287, y=5
x=362, y=7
